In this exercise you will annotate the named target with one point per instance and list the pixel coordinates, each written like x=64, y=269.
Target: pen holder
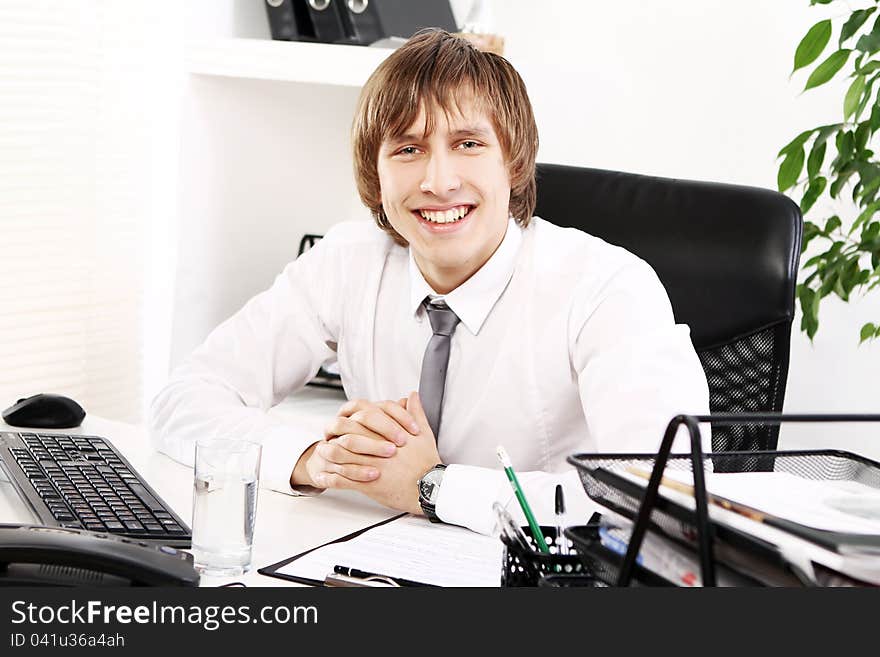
x=526, y=568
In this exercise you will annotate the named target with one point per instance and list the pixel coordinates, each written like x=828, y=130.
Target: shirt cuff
x=468, y=492
x=282, y=448
x=466, y=496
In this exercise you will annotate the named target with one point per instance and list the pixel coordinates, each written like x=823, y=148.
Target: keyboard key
x=146, y=497
x=114, y=525
x=153, y=528
x=133, y=525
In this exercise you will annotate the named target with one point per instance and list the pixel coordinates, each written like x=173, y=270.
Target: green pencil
x=521, y=498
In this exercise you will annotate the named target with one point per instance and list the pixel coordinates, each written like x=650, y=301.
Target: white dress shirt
x=566, y=344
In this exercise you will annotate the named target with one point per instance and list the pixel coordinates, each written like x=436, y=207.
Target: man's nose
x=441, y=176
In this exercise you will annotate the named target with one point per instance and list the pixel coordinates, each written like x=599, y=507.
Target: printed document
x=410, y=548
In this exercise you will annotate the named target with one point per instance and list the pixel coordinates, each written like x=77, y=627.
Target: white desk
x=285, y=525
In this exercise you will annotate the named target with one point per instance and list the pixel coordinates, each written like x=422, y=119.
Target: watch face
x=429, y=486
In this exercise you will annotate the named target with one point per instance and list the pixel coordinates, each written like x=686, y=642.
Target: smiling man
x=462, y=324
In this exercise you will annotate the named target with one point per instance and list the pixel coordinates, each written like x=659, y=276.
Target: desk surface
x=285, y=526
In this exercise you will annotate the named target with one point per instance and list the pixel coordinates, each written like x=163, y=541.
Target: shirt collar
x=473, y=299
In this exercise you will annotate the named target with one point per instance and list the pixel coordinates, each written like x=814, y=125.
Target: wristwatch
x=429, y=490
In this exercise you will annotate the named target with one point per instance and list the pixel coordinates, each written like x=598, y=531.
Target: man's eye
x=407, y=150
x=469, y=144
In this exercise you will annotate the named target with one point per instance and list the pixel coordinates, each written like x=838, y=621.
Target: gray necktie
x=433, y=378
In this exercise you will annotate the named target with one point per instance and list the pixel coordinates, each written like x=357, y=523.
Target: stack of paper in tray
x=829, y=530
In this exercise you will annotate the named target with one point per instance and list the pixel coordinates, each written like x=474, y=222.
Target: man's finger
x=352, y=406
x=359, y=444
x=334, y=451
x=399, y=413
x=378, y=421
x=414, y=405
x=344, y=425
x=352, y=473
x=333, y=480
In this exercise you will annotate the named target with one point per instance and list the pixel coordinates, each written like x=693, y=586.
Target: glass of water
x=224, y=505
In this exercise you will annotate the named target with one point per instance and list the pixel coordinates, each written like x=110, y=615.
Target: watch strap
x=430, y=510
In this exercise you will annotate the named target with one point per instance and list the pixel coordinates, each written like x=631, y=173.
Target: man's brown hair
x=431, y=69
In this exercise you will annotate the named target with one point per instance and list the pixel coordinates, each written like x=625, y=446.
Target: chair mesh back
x=747, y=375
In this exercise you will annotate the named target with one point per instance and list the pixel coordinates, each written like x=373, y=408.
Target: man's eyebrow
x=399, y=139
x=472, y=131
x=469, y=131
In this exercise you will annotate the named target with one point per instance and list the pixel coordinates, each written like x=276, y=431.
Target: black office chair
x=728, y=256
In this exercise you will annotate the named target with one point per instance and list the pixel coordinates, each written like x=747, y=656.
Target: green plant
x=850, y=252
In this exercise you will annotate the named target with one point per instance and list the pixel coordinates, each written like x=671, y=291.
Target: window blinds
x=73, y=173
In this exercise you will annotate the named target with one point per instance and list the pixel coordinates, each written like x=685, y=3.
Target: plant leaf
x=860, y=138
x=853, y=96
x=812, y=45
x=839, y=182
x=790, y=169
x=814, y=191
x=809, y=307
x=827, y=69
x=832, y=224
x=811, y=230
x=856, y=20
x=869, y=43
x=870, y=67
x=867, y=332
x=866, y=214
x=798, y=141
x=826, y=131
x=817, y=157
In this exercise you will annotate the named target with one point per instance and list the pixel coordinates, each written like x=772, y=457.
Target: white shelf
x=290, y=61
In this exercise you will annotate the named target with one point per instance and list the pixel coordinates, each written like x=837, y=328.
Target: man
x=463, y=324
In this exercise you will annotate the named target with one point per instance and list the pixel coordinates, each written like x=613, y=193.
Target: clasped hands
x=380, y=449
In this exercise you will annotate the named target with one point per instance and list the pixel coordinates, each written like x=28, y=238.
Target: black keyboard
x=82, y=482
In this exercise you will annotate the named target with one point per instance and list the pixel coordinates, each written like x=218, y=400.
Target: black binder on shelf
x=717, y=543
x=305, y=20
x=355, y=22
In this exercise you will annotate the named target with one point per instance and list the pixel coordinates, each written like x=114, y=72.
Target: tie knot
x=443, y=320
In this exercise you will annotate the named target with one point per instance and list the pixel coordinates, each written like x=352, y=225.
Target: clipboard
x=402, y=548
x=273, y=570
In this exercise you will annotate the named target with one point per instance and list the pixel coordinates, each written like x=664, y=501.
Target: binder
x=360, y=22
x=719, y=543
x=305, y=20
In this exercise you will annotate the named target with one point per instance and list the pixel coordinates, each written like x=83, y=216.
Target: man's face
x=447, y=193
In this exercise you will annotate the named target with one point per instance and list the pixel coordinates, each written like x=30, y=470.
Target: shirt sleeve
x=252, y=361
x=468, y=493
x=636, y=370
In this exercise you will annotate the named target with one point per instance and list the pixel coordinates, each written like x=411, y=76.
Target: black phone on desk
x=34, y=555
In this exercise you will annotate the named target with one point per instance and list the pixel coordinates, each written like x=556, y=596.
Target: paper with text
x=842, y=506
x=410, y=548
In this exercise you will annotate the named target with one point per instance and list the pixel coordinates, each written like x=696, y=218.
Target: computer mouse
x=45, y=411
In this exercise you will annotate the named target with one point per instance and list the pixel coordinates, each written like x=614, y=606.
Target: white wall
x=686, y=88
x=698, y=89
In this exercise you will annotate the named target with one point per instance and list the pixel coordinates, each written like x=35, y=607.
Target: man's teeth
x=445, y=216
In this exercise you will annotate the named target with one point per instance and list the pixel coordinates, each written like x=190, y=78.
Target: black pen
x=561, y=540
x=362, y=574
